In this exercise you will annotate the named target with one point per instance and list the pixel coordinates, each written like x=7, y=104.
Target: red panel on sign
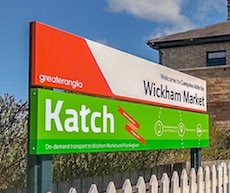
x=62, y=60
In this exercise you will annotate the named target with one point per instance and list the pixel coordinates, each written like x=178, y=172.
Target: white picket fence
x=214, y=179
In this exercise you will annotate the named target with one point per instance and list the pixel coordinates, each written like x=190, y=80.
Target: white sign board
x=66, y=61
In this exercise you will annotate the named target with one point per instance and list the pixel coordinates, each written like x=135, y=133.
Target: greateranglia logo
x=57, y=80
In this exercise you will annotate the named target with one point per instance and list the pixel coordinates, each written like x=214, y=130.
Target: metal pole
x=39, y=175
x=32, y=174
x=45, y=174
x=39, y=167
x=195, y=155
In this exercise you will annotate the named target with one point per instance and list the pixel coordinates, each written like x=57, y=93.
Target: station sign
x=66, y=61
x=63, y=122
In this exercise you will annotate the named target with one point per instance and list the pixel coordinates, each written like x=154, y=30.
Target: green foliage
x=71, y=166
x=13, y=137
x=219, y=145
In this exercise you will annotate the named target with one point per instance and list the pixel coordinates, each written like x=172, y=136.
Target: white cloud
x=198, y=11
x=170, y=14
x=163, y=31
x=206, y=6
x=167, y=11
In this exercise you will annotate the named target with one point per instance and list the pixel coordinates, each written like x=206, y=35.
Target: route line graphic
x=180, y=129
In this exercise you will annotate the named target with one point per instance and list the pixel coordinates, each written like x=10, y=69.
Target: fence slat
x=164, y=183
x=72, y=190
x=200, y=181
x=207, y=180
x=192, y=181
x=213, y=179
x=93, y=189
x=127, y=188
x=224, y=167
x=229, y=177
x=111, y=188
x=219, y=179
x=141, y=187
x=184, y=182
x=153, y=184
x=175, y=183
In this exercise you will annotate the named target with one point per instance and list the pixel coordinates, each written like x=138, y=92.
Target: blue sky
x=122, y=24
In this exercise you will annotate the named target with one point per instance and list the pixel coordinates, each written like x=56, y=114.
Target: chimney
x=228, y=6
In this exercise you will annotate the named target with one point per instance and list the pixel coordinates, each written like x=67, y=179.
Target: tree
x=219, y=148
x=13, y=140
x=72, y=166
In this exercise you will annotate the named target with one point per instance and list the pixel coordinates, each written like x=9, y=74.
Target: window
x=216, y=58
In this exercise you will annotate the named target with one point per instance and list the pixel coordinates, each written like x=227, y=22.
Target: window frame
x=216, y=61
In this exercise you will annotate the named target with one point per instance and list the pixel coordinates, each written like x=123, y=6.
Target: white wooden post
x=207, y=187
x=184, y=182
x=72, y=190
x=200, y=181
x=127, y=188
x=141, y=187
x=93, y=189
x=192, y=181
x=175, y=183
x=229, y=177
x=224, y=166
x=164, y=183
x=213, y=179
x=153, y=184
x=111, y=188
x=219, y=179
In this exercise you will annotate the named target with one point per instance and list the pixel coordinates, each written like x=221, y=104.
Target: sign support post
x=39, y=179
x=39, y=167
x=32, y=174
x=45, y=171
x=195, y=156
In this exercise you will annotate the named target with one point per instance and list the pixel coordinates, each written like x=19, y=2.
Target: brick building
x=204, y=53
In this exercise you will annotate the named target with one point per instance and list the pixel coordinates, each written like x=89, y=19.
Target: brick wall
x=218, y=89
x=191, y=56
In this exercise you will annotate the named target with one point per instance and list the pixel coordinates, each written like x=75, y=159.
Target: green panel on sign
x=73, y=123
